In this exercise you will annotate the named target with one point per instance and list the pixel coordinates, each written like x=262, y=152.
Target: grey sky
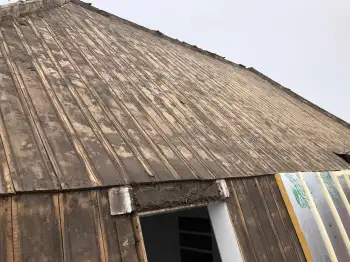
x=304, y=45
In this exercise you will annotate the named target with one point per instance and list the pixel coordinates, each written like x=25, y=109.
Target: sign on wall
x=318, y=203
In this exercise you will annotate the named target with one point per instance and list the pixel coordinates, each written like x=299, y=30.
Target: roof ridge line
x=21, y=8
x=90, y=7
x=215, y=56
x=299, y=97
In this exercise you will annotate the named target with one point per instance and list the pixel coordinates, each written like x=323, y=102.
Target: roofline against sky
x=18, y=9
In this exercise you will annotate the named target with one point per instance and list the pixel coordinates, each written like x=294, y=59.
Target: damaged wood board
x=174, y=194
x=88, y=100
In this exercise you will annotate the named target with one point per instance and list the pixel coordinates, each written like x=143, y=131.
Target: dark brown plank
x=239, y=223
x=36, y=225
x=276, y=220
x=6, y=241
x=139, y=242
x=126, y=239
x=82, y=236
x=109, y=231
x=157, y=196
x=264, y=222
x=255, y=235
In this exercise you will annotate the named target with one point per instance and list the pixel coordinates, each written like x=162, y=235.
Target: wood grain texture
x=38, y=228
x=240, y=225
x=109, y=230
x=6, y=239
x=263, y=228
x=139, y=241
x=81, y=227
x=275, y=219
x=77, y=226
x=287, y=221
x=63, y=227
x=89, y=99
x=126, y=240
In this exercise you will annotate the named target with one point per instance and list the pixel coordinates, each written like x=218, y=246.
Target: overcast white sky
x=304, y=45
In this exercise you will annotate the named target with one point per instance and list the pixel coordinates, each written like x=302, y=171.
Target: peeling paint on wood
x=176, y=194
x=89, y=99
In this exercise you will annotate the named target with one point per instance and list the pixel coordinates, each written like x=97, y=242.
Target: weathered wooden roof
x=88, y=99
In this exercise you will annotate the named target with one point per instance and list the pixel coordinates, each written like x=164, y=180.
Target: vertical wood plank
x=6, y=244
x=263, y=220
x=126, y=239
x=82, y=237
x=281, y=233
x=252, y=226
x=139, y=242
x=286, y=219
x=38, y=228
x=239, y=224
x=109, y=231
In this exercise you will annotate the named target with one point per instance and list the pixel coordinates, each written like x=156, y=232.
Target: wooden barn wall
x=63, y=227
x=89, y=100
x=77, y=226
x=261, y=221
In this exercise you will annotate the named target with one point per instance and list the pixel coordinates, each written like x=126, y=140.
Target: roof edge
x=90, y=7
x=147, y=184
x=213, y=55
x=22, y=8
x=299, y=97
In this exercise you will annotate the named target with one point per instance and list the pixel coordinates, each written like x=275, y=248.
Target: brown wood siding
x=77, y=226
x=261, y=221
x=74, y=226
x=88, y=99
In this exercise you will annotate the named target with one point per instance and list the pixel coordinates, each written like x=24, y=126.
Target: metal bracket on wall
x=120, y=200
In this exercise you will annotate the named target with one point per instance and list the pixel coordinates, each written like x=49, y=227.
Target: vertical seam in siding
x=270, y=218
x=252, y=250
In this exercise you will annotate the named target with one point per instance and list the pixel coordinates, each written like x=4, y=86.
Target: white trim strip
x=224, y=232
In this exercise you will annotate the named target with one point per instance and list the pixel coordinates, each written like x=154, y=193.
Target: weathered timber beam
x=124, y=200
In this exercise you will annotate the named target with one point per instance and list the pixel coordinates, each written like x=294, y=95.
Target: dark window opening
x=196, y=242
x=181, y=236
